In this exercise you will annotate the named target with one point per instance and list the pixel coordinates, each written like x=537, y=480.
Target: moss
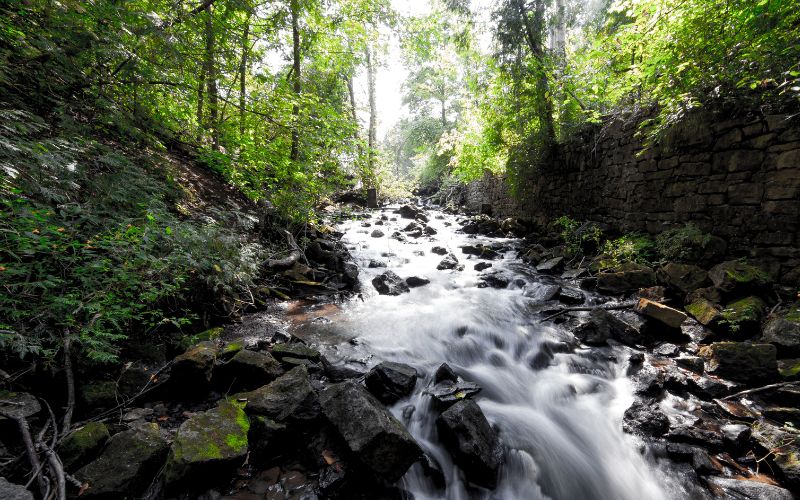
x=703, y=310
x=232, y=348
x=747, y=310
x=745, y=273
x=793, y=314
x=100, y=394
x=789, y=368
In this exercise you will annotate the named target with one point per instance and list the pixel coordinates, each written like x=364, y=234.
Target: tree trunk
x=295, y=8
x=352, y=95
x=201, y=82
x=373, y=119
x=243, y=73
x=211, y=80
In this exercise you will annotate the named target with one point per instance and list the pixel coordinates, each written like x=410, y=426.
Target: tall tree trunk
x=243, y=73
x=373, y=118
x=211, y=80
x=295, y=8
x=201, y=82
x=351, y=92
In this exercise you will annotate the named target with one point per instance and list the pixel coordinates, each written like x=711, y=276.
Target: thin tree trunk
x=351, y=92
x=373, y=119
x=211, y=80
x=243, y=73
x=201, y=82
x=295, y=8
x=70, y=384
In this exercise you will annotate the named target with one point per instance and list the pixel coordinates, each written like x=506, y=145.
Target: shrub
x=628, y=248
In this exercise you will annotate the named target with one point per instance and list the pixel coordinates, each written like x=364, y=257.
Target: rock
x=390, y=283
x=741, y=362
x=667, y=315
x=192, y=370
x=550, y=266
x=645, y=418
x=654, y=293
x=571, y=274
x=666, y=350
x=783, y=334
x=134, y=415
x=684, y=277
x=439, y=250
x=289, y=398
x=698, y=333
x=603, y=325
x=295, y=350
x=737, y=276
x=570, y=296
x=415, y=281
x=412, y=226
x=782, y=442
x=18, y=404
x=480, y=251
x=743, y=316
x=449, y=262
x=735, y=435
x=339, y=373
x=206, y=445
x=472, y=442
x=247, y=369
x=495, y=279
x=691, y=363
x=429, y=231
x=377, y=233
x=696, y=247
x=11, y=491
x=82, y=444
x=742, y=489
x=447, y=393
x=540, y=292
x=102, y=394
x=374, y=436
x=374, y=264
x=127, y=465
x=480, y=266
x=390, y=381
x=444, y=374
x=789, y=368
x=705, y=312
x=629, y=278
x=412, y=212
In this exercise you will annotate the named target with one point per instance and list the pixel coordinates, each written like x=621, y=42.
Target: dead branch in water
x=291, y=259
x=613, y=307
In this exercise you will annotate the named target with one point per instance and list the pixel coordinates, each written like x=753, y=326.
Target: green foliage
x=680, y=243
x=635, y=248
x=577, y=236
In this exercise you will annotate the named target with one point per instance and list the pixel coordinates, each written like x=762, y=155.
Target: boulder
x=439, y=250
x=289, y=398
x=374, y=436
x=412, y=226
x=390, y=283
x=645, y=418
x=390, y=381
x=665, y=314
x=481, y=251
x=297, y=350
x=449, y=262
x=705, y=312
x=743, y=489
x=429, y=231
x=683, y=277
x=603, y=325
x=784, y=334
x=416, y=281
x=207, y=446
x=377, y=233
x=11, y=491
x=551, y=266
x=782, y=442
x=480, y=266
x=444, y=373
x=735, y=435
x=127, y=465
x=495, y=279
x=18, y=404
x=738, y=276
x=449, y=392
x=570, y=296
x=247, y=369
x=82, y=445
x=192, y=370
x=412, y=212
x=101, y=394
x=743, y=316
x=511, y=225
x=472, y=442
x=741, y=362
x=629, y=278
x=374, y=264
x=540, y=292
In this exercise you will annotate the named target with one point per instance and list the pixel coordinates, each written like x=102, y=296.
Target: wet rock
x=127, y=465
x=374, y=264
x=494, y=279
x=82, y=444
x=698, y=333
x=297, y=350
x=444, y=374
x=390, y=283
x=696, y=433
x=735, y=435
x=683, y=277
x=390, y=381
x=289, y=398
x=629, y=278
x=206, y=446
x=374, y=436
x=429, y=231
x=782, y=442
x=480, y=251
x=665, y=314
x=192, y=370
x=248, y=369
x=570, y=296
x=667, y=350
x=377, y=233
x=735, y=276
x=11, y=491
x=448, y=393
x=645, y=418
x=784, y=334
x=480, y=266
x=743, y=489
x=416, y=281
x=741, y=362
x=540, y=292
x=412, y=226
x=705, y=312
x=472, y=442
x=339, y=373
x=704, y=464
x=551, y=266
x=439, y=250
x=654, y=293
x=449, y=262
x=603, y=325
x=692, y=363
x=18, y=404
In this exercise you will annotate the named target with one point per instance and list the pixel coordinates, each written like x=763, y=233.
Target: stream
x=558, y=409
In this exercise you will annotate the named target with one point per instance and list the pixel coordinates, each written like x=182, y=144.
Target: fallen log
x=288, y=261
x=612, y=307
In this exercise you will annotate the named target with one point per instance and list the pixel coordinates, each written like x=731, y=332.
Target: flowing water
x=558, y=410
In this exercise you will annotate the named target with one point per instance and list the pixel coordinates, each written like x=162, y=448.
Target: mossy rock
x=18, y=404
x=212, y=334
x=741, y=362
x=783, y=331
x=208, y=446
x=744, y=315
x=82, y=444
x=191, y=371
x=230, y=349
x=295, y=350
x=738, y=276
x=789, y=368
x=782, y=442
x=100, y=394
x=705, y=312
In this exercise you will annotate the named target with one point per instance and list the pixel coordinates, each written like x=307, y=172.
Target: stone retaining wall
x=737, y=178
